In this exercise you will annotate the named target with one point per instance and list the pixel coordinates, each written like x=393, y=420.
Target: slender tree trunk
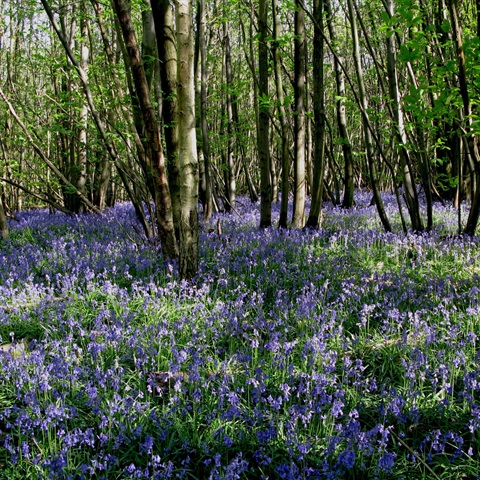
x=3, y=222
x=205, y=138
x=153, y=146
x=121, y=168
x=472, y=140
x=285, y=154
x=230, y=181
x=167, y=54
x=64, y=89
x=148, y=47
x=263, y=122
x=366, y=126
x=410, y=191
x=298, y=218
x=187, y=141
x=349, y=180
x=81, y=164
x=314, y=218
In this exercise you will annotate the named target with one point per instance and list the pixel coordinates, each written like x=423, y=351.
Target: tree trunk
x=472, y=140
x=153, y=144
x=348, y=181
x=187, y=152
x=167, y=54
x=285, y=154
x=148, y=46
x=410, y=191
x=3, y=222
x=314, y=218
x=366, y=124
x=298, y=218
x=263, y=144
x=205, y=139
x=81, y=163
x=230, y=181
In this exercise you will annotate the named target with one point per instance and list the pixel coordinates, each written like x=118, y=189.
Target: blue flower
x=387, y=462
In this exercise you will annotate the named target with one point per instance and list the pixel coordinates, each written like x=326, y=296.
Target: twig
x=37, y=445
x=420, y=459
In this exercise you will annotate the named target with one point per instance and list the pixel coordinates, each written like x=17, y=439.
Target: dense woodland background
x=178, y=105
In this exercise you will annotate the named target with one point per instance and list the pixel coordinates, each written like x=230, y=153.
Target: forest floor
x=345, y=352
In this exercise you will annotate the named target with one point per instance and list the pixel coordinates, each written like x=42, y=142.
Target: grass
x=339, y=353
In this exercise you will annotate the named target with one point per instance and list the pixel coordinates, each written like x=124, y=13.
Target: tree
x=314, y=219
x=263, y=124
x=3, y=221
x=472, y=140
x=205, y=138
x=299, y=177
x=229, y=167
x=152, y=145
x=349, y=180
x=411, y=195
x=187, y=152
x=285, y=154
x=365, y=120
x=167, y=56
x=81, y=158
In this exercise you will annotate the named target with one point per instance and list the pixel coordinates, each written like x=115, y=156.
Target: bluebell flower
x=387, y=462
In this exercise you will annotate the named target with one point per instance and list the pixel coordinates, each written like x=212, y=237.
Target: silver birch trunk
x=230, y=180
x=298, y=217
x=187, y=142
x=82, y=133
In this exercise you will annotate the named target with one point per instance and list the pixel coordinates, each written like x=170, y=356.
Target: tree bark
x=366, y=124
x=348, y=181
x=471, y=137
x=298, y=217
x=149, y=45
x=285, y=154
x=153, y=144
x=81, y=163
x=314, y=218
x=205, y=139
x=167, y=54
x=410, y=191
x=187, y=141
x=263, y=121
x=230, y=180
x=3, y=222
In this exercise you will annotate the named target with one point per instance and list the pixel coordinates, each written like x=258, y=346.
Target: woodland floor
x=339, y=353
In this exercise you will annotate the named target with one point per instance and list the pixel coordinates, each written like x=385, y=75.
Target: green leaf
x=446, y=27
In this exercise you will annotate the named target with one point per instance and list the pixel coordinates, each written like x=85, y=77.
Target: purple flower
x=346, y=458
x=386, y=462
x=147, y=445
